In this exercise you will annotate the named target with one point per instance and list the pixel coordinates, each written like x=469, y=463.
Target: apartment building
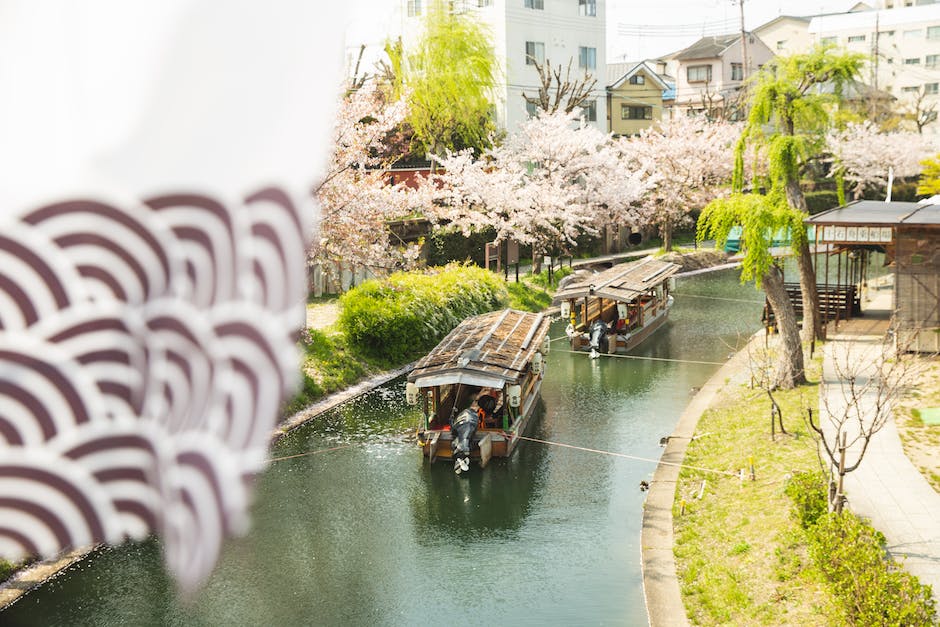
x=902, y=43
x=549, y=31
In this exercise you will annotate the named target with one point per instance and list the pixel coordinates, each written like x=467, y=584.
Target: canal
x=369, y=534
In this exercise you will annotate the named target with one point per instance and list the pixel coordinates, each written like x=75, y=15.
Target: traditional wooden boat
x=479, y=386
x=615, y=310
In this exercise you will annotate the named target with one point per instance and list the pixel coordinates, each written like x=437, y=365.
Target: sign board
x=512, y=252
x=842, y=234
x=491, y=253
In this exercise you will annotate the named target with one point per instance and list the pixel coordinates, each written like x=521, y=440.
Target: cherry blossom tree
x=693, y=158
x=547, y=184
x=356, y=197
x=862, y=155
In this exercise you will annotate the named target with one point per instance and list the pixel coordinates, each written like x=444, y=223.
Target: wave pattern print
x=145, y=350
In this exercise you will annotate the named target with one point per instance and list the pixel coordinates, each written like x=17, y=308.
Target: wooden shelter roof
x=878, y=213
x=486, y=350
x=623, y=282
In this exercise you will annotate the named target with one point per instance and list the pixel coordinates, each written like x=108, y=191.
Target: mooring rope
x=537, y=441
x=679, y=361
x=625, y=456
x=322, y=450
x=732, y=300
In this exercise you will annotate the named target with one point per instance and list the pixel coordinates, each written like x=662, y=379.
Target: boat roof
x=623, y=282
x=486, y=350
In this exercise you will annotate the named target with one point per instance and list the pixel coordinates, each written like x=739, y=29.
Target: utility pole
x=743, y=41
x=873, y=99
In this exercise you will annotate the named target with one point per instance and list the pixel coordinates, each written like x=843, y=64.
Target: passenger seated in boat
x=486, y=407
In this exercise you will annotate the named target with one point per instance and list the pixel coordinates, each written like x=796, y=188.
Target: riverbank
x=723, y=550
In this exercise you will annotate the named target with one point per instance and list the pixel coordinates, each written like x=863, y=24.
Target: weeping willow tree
x=791, y=104
x=448, y=79
x=760, y=217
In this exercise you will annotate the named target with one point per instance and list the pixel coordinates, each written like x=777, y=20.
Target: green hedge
x=820, y=201
x=871, y=588
x=407, y=314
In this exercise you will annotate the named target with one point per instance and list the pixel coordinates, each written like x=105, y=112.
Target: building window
x=854, y=39
x=886, y=33
x=912, y=61
x=913, y=34
x=534, y=4
x=534, y=52
x=931, y=89
x=414, y=8
x=587, y=8
x=933, y=32
x=781, y=44
x=932, y=61
x=637, y=79
x=826, y=41
x=699, y=73
x=737, y=72
x=910, y=90
x=531, y=108
x=589, y=111
x=628, y=112
x=484, y=3
x=587, y=58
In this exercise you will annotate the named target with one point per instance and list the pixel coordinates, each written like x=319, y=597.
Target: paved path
x=886, y=488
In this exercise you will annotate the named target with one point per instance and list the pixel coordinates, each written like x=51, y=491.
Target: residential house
x=525, y=31
x=709, y=73
x=786, y=34
x=634, y=97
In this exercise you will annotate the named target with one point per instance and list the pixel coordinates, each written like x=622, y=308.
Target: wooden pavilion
x=909, y=236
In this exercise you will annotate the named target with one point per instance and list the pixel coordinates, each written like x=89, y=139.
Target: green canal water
x=370, y=534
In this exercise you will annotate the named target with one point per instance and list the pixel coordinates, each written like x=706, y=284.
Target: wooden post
x=840, y=496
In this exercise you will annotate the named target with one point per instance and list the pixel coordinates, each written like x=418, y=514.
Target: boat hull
x=620, y=343
x=436, y=443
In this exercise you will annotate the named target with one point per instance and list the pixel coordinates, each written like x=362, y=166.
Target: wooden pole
x=840, y=495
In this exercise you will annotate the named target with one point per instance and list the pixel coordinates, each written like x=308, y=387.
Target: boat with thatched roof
x=478, y=387
x=615, y=310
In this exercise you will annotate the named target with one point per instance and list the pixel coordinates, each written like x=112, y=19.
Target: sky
x=626, y=39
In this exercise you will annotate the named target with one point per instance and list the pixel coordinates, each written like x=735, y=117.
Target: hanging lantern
x=411, y=393
x=514, y=392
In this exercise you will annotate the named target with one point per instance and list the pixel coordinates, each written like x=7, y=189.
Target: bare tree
x=555, y=93
x=856, y=399
x=920, y=111
x=761, y=364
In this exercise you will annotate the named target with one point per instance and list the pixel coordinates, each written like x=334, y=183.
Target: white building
x=903, y=46
x=552, y=31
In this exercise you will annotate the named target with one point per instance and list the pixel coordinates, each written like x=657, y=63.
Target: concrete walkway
x=886, y=488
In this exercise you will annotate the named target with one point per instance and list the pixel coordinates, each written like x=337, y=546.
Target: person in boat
x=488, y=407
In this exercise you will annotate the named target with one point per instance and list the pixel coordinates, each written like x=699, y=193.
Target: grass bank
x=741, y=557
x=763, y=551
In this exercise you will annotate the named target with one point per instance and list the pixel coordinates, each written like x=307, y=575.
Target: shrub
x=6, y=570
x=821, y=201
x=872, y=589
x=808, y=491
x=406, y=314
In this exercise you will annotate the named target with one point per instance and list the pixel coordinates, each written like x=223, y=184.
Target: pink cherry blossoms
x=863, y=154
x=356, y=199
x=549, y=182
x=692, y=158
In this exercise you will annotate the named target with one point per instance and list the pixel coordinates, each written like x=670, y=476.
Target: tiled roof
x=707, y=47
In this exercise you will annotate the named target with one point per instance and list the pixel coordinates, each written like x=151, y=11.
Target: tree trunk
x=667, y=235
x=536, y=260
x=812, y=327
x=790, y=369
